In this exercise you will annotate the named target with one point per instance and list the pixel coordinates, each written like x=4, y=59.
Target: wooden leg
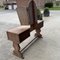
x=17, y=51
x=38, y=33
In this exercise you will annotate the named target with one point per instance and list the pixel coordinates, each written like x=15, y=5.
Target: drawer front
x=13, y=37
x=24, y=35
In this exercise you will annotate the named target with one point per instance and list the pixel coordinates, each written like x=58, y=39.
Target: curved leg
x=17, y=51
x=37, y=34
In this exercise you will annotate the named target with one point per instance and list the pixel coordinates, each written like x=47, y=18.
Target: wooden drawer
x=18, y=34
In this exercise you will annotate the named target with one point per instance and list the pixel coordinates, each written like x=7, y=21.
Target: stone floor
x=47, y=48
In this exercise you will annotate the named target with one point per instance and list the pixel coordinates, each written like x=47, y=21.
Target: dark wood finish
x=18, y=34
x=32, y=12
x=27, y=13
x=17, y=51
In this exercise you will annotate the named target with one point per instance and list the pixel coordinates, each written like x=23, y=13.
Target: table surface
x=19, y=29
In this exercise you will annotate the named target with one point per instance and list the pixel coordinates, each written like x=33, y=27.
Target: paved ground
x=47, y=48
x=9, y=16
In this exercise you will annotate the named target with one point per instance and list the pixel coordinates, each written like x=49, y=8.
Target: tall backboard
x=26, y=11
